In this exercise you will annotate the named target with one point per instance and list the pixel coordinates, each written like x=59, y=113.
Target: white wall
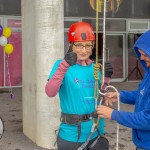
x=43, y=43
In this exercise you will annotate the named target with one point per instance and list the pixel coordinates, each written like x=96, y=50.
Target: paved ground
x=14, y=139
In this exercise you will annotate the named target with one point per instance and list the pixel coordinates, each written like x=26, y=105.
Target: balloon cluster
x=4, y=34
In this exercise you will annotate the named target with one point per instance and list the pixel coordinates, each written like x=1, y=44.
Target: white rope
x=9, y=80
x=104, y=42
x=106, y=88
x=103, y=71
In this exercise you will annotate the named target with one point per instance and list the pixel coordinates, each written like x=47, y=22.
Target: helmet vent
x=73, y=33
x=83, y=35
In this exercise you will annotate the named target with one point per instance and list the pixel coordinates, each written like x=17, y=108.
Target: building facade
x=125, y=22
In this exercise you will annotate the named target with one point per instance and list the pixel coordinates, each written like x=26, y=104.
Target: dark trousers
x=102, y=144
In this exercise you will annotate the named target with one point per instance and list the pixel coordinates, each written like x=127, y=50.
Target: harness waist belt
x=75, y=119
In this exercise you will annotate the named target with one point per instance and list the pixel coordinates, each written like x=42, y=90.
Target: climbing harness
x=74, y=119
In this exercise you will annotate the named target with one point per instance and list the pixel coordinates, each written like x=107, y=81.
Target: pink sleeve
x=53, y=85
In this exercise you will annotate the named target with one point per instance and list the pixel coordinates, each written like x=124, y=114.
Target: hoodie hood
x=143, y=43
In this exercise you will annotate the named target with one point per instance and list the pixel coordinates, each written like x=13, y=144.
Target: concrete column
x=43, y=43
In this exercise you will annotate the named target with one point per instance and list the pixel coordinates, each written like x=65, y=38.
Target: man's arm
x=128, y=97
x=136, y=120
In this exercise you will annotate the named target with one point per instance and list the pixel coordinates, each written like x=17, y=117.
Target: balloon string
x=8, y=73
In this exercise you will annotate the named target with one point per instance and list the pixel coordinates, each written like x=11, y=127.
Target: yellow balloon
x=8, y=49
x=7, y=32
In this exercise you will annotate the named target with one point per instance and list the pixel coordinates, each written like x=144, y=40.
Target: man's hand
x=108, y=69
x=104, y=112
x=71, y=57
x=111, y=97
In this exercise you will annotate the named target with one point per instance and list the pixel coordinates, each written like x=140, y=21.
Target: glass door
x=115, y=53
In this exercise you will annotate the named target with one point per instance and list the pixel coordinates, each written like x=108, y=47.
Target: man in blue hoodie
x=139, y=120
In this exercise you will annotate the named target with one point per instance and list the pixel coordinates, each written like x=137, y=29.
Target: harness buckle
x=86, y=117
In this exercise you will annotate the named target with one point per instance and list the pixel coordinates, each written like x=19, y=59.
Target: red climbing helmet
x=80, y=32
